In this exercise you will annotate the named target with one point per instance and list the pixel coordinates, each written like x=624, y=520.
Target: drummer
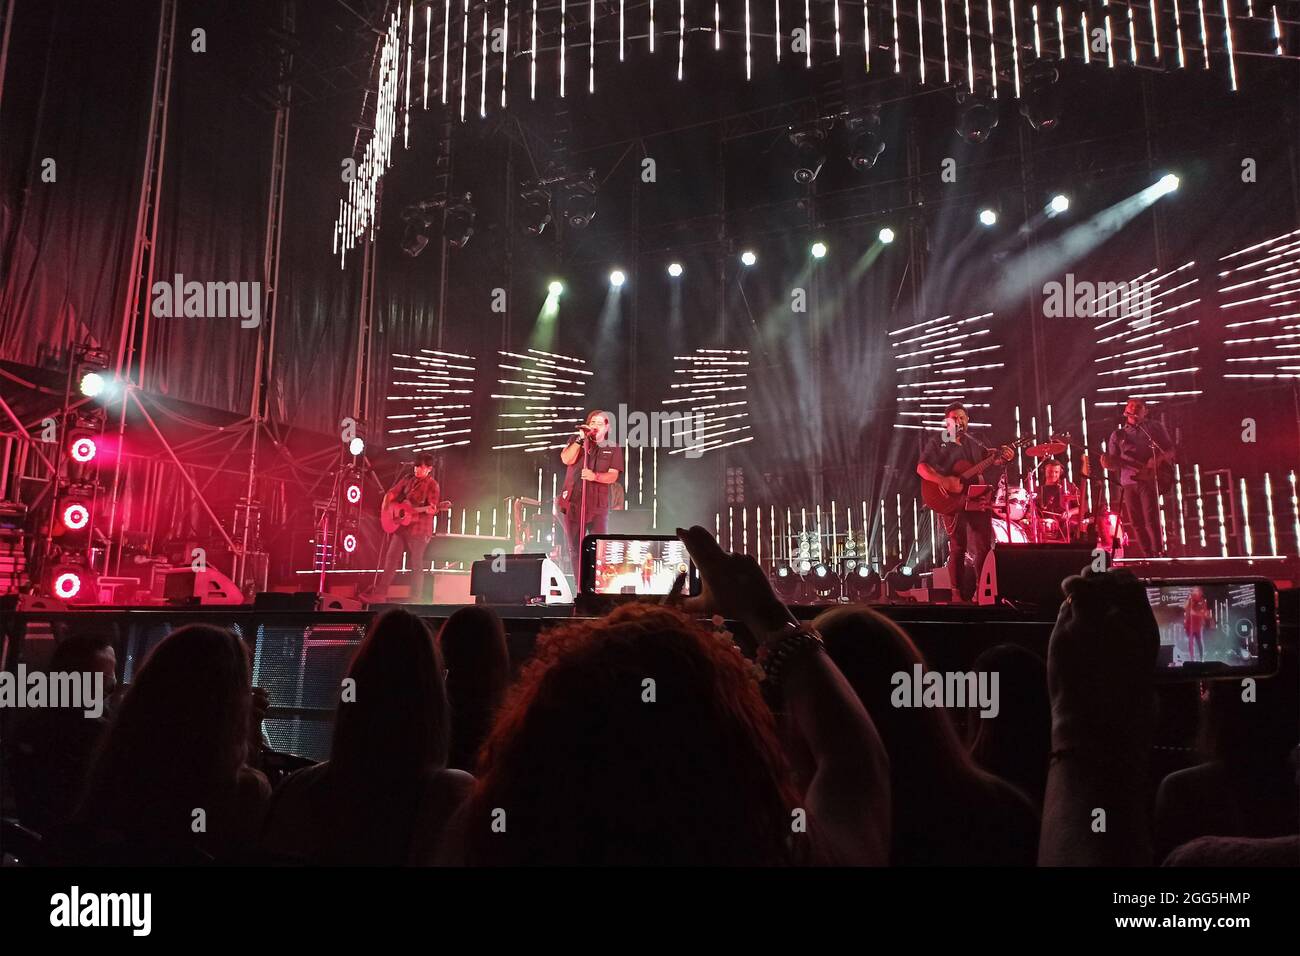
x=1057, y=498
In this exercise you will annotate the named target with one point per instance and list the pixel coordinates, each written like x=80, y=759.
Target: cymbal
x=1048, y=448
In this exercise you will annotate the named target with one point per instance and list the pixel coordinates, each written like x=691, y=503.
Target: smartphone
x=1214, y=628
x=631, y=564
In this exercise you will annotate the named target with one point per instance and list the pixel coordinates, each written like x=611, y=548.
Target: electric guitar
x=950, y=502
x=1158, y=468
x=399, y=514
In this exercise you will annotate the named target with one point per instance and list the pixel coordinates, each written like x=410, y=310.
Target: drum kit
x=1020, y=515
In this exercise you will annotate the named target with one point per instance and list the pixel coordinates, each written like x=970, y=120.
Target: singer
x=1141, y=451
x=595, y=464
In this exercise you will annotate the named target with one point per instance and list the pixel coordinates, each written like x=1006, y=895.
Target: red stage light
x=353, y=493
x=83, y=449
x=76, y=516
x=349, y=542
x=67, y=585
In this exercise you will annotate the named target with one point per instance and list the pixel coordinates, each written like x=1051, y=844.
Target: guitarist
x=420, y=490
x=1141, y=451
x=969, y=532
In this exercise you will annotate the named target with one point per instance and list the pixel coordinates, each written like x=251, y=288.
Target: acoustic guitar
x=399, y=514
x=950, y=502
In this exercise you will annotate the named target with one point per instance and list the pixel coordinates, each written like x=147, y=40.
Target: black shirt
x=600, y=459
x=1132, y=443
x=943, y=456
x=1049, y=496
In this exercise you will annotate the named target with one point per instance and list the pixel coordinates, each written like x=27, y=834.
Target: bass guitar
x=950, y=502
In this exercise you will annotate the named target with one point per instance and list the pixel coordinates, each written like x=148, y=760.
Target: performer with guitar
x=1142, y=452
x=595, y=465
x=948, y=464
x=407, y=515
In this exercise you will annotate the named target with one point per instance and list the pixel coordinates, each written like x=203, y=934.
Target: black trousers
x=415, y=547
x=574, y=531
x=969, y=533
x=1142, y=516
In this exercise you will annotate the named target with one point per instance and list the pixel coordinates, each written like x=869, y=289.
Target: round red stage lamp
x=353, y=493
x=76, y=516
x=83, y=449
x=67, y=585
x=349, y=542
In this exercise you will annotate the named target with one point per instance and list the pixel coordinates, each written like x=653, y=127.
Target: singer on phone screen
x=595, y=464
x=420, y=490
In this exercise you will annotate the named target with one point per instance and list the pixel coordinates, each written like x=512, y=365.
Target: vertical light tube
x=1268, y=504
x=749, y=55
x=1223, y=526
x=920, y=38
x=1178, y=34
x=464, y=59
x=446, y=42
x=410, y=45
x=970, y=55
x=1205, y=36
x=505, y=50
x=591, y=47
x=1245, y=520
x=1083, y=35
x=1155, y=26
x=681, y=37
x=898, y=56
x=564, y=18
x=1232, y=51
x=1182, y=511
x=483, y=68
x=943, y=28
x=993, y=53
x=1200, y=506
x=428, y=29
x=807, y=32
x=532, y=52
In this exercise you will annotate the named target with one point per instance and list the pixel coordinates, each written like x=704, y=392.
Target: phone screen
x=1214, y=628
x=635, y=565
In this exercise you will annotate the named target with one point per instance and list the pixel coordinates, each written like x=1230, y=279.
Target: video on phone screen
x=638, y=566
x=1205, y=624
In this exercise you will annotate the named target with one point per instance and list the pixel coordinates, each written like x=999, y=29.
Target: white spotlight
x=556, y=287
x=748, y=258
x=357, y=445
x=886, y=235
x=675, y=269
x=818, y=250
x=1168, y=183
x=617, y=278
x=988, y=217
x=1059, y=204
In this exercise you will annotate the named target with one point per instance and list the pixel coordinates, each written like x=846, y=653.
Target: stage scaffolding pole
x=264, y=362
x=130, y=366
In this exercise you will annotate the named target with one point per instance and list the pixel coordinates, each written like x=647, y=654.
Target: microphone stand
x=582, y=510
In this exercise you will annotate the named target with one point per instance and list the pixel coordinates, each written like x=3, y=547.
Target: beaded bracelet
x=777, y=656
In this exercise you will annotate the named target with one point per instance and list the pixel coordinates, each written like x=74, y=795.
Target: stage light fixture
x=1167, y=183
x=1059, y=204
x=787, y=584
x=1041, y=99
x=865, y=144
x=818, y=250
x=352, y=492
x=810, y=152
x=675, y=269
x=415, y=238
x=92, y=384
x=536, y=210
x=988, y=217
x=862, y=585
x=75, y=516
x=82, y=449
x=579, y=200
x=349, y=542
x=748, y=258
x=617, y=278
x=977, y=117
x=67, y=585
x=458, y=222
x=824, y=582
x=357, y=445
x=886, y=235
